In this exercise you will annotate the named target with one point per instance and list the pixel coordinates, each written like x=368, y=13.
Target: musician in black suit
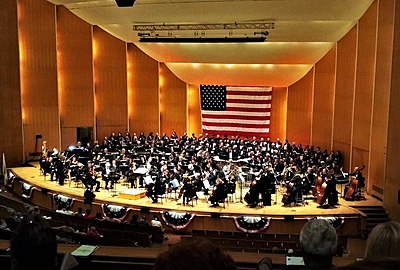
x=330, y=192
x=219, y=193
x=358, y=176
x=267, y=186
x=90, y=179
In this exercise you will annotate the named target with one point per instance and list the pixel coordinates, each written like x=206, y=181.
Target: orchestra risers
x=133, y=194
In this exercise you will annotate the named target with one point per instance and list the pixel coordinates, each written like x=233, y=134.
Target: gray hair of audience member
x=319, y=238
x=384, y=241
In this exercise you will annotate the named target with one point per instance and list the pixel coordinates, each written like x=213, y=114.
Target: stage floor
x=31, y=175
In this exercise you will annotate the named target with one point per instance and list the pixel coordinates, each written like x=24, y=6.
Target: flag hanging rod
x=207, y=26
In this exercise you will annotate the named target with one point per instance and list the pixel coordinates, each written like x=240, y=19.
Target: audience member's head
x=384, y=241
x=202, y=255
x=34, y=247
x=318, y=239
x=382, y=250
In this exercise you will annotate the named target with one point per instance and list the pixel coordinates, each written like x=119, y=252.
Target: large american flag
x=228, y=110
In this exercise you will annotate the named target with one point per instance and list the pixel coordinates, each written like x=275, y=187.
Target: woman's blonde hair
x=384, y=241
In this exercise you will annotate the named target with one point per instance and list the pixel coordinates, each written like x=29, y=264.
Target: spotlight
x=125, y=3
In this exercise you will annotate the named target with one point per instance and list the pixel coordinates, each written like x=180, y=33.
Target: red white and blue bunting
x=178, y=221
x=114, y=211
x=250, y=224
x=63, y=201
x=27, y=190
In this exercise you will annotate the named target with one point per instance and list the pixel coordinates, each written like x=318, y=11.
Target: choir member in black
x=219, y=193
x=330, y=192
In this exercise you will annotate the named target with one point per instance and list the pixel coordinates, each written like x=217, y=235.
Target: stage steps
x=375, y=215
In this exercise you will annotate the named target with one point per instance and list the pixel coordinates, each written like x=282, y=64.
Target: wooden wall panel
x=365, y=76
x=75, y=74
x=278, y=113
x=194, y=110
x=299, y=106
x=344, y=95
x=11, y=142
x=110, y=78
x=324, y=89
x=392, y=181
x=172, y=102
x=37, y=33
x=384, y=48
x=143, y=100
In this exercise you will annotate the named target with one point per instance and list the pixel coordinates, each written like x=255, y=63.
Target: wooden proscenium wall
x=143, y=96
x=355, y=97
x=110, y=83
x=39, y=88
x=11, y=140
x=172, y=102
x=75, y=75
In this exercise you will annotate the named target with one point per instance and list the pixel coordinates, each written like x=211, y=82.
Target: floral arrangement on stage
x=250, y=224
x=336, y=222
x=27, y=190
x=178, y=221
x=63, y=201
x=114, y=211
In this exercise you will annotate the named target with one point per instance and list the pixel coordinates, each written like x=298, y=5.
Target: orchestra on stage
x=213, y=165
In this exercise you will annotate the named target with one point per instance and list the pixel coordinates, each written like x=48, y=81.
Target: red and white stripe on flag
x=247, y=114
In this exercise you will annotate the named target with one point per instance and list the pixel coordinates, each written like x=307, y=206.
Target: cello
x=349, y=196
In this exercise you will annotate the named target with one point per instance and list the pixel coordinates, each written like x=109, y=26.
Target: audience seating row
x=257, y=242
x=105, y=227
x=243, y=235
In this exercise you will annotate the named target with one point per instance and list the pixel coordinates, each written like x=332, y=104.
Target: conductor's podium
x=132, y=194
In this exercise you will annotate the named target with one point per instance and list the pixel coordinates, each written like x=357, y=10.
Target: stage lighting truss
x=206, y=32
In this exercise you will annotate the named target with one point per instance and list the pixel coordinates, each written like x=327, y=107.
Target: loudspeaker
x=289, y=218
x=215, y=215
x=125, y=3
x=145, y=210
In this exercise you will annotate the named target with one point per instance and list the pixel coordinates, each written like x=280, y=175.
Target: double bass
x=349, y=196
x=353, y=186
x=319, y=189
